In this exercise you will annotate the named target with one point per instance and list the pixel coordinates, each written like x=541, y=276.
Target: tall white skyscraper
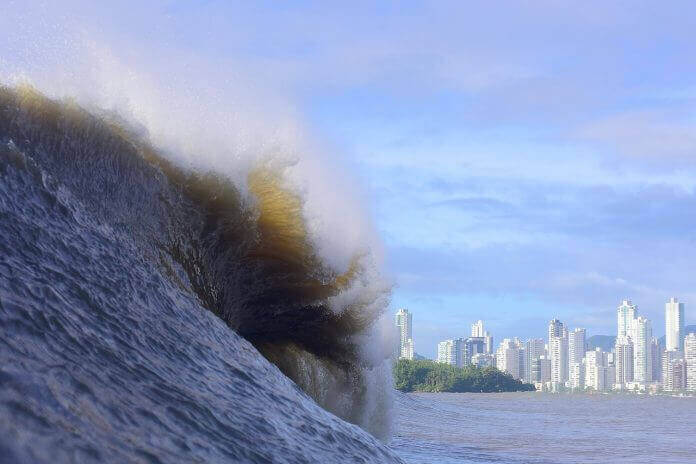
x=404, y=326
x=623, y=360
x=642, y=357
x=626, y=312
x=452, y=352
x=477, y=329
x=447, y=352
x=596, y=370
x=533, y=349
x=690, y=358
x=674, y=325
x=508, y=357
x=558, y=351
x=576, y=346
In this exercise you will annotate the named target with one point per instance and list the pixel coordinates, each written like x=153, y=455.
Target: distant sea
x=444, y=428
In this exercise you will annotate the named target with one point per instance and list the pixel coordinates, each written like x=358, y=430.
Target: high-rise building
x=690, y=358
x=667, y=357
x=541, y=369
x=673, y=370
x=407, y=349
x=674, y=325
x=404, y=326
x=610, y=370
x=576, y=376
x=535, y=371
x=446, y=353
x=451, y=352
x=600, y=373
x=641, y=330
x=555, y=328
x=533, y=349
x=558, y=351
x=608, y=358
x=522, y=364
x=489, y=342
x=576, y=346
x=626, y=312
x=594, y=376
x=477, y=329
x=623, y=360
x=566, y=358
x=675, y=378
x=472, y=346
x=508, y=357
x=656, y=353
x=608, y=377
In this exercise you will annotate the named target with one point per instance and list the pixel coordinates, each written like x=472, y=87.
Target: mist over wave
x=243, y=244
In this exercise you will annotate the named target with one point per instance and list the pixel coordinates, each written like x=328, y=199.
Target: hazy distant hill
x=605, y=342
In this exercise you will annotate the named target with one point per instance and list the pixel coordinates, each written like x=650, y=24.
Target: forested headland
x=429, y=376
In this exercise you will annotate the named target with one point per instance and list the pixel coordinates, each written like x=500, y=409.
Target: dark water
x=133, y=303
x=545, y=428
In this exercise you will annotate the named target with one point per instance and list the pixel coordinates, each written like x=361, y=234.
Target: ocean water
x=450, y=428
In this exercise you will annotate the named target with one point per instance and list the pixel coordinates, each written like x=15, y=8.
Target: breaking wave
x=242, y=249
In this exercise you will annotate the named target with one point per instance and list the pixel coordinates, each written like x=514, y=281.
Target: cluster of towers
x=637, y=362
x=476, y=349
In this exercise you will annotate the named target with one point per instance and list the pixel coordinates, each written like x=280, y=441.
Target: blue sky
x=522, y=161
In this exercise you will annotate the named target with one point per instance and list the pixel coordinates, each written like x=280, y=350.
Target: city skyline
x=460, y=328
x=635, y=361
x=658, y=331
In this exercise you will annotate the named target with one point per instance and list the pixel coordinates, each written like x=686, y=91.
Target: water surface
x=545, y=428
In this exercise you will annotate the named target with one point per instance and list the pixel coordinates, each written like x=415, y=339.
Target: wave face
x=153, y=314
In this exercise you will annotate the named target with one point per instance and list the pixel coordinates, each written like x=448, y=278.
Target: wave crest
x=246, y=254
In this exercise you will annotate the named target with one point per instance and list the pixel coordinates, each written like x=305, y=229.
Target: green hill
x=429, y=376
